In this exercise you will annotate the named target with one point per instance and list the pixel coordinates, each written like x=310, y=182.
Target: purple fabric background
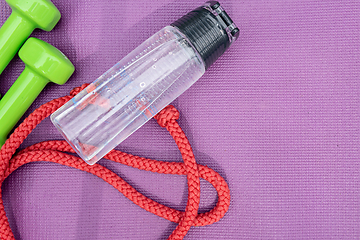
x=277, y=116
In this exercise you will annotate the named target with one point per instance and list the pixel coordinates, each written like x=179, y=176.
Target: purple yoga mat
x=277, y=116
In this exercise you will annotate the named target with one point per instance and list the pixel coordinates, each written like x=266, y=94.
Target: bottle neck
x=209, y=30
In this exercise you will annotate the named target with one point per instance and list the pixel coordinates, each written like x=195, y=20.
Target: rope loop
x=168, y=114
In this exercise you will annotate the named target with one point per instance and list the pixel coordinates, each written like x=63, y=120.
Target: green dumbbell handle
x=18, y=99
x=13, y=34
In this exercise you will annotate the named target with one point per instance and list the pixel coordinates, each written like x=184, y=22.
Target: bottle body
x=129, y=94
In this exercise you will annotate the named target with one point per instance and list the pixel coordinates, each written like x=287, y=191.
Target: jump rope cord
x=55, y=151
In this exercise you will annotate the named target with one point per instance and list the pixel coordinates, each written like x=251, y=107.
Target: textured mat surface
x=277, y=116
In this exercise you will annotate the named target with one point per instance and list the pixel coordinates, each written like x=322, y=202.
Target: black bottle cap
x=209, y=29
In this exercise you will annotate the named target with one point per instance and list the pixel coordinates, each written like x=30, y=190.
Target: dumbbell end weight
x=43, y=64
x=25, y=17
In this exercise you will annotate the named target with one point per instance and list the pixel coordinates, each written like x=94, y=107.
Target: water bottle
x=144, y=82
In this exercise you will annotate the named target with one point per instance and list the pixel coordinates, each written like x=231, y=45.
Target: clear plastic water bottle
x=145, y=81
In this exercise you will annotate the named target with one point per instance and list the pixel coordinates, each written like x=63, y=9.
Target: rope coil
x=55, y=151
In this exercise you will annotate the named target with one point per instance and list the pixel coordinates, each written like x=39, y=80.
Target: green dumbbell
x=43, y=64
x=25, y=17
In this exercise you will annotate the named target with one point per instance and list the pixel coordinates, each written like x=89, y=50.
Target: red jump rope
x=55, y=151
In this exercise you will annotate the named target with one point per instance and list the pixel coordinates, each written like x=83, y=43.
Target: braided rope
x=54, y=151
